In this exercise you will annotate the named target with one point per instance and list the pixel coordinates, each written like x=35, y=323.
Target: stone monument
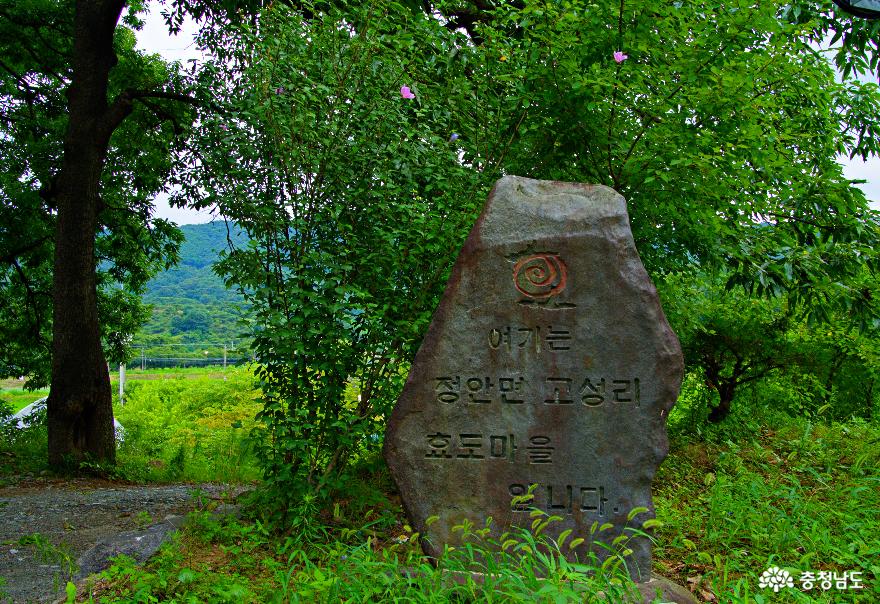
x=549, y=362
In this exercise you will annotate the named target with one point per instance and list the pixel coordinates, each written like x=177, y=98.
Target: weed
x=224, y=559
x=19, y=398
x=189, y=429
x=22, y=449
x=143, y=519
x=799, y=495
x=47, y=553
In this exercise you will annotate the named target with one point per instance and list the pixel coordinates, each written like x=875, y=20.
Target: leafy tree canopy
x=356, y=192
x=721, y=127
x=739, y=344
x=36, y=38
x=718, y=121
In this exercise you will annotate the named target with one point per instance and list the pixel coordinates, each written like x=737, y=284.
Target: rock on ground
x=47, y=526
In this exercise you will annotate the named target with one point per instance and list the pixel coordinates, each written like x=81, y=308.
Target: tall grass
x=792, y=493
x=189, y=429
x=795, y=494
x=762, y=489
x=377, y=560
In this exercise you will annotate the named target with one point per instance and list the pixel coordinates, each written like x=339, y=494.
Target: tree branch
x=163, y=94
x=163, y=115
x=796, y=219
x=123, y=104
x=11, y=257
x=31, y=303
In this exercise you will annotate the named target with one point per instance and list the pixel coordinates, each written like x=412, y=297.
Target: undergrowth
x=377, y=560
x=760, y=490
x=189, y=429
x=177, y=428
x=799, y=495
x=766, y=489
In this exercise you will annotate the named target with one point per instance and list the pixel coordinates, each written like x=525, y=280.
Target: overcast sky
x=155, y=38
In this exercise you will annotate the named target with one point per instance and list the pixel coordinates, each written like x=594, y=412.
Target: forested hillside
x=191, y=307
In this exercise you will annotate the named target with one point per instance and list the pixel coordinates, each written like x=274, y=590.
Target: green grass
x=191, y=428
x=354, y=553
x=760, y=490
x=180, y=425
x=19, y=398
x=800, y=496
x=135, y=373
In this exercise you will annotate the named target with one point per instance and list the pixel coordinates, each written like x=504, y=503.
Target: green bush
x=189, y=429
x=355, y=196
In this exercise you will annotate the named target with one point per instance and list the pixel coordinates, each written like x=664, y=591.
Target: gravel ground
x=46, y=525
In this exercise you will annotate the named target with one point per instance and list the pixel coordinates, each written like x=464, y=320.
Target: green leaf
x=186, y=576
x=562, y=537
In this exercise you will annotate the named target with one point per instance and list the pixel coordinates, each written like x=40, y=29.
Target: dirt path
x=46, y=525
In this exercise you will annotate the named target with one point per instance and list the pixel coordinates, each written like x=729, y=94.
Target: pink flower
x=406, y=93
x=620, y=57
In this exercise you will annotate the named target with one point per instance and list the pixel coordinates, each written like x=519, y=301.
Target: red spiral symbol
x=539, y=276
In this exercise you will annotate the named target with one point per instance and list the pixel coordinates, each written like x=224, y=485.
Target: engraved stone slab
x=549, y=362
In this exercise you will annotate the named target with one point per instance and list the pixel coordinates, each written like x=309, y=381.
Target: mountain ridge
x=190, y=303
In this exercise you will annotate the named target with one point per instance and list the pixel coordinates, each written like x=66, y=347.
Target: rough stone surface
x=548, y=362
x=661, y=589
x=139, y=544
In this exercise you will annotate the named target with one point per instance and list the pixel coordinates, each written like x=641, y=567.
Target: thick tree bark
x=80, y=413
x=725, y=397
x=725, y=386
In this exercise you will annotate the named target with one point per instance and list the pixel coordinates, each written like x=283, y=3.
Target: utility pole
x=224, y=356
x=121, y=384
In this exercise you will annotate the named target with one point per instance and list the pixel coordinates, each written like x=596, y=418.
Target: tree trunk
x=725, y=395
x=839, y=357
x=80, y=413
x=725, y=386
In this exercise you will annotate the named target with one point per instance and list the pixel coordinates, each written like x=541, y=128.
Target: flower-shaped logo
x=775, y=577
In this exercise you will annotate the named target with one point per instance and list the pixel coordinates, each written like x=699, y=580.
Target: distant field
x=11, y=384
x=170, y=373
x=11, y=389
x=180, y=425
